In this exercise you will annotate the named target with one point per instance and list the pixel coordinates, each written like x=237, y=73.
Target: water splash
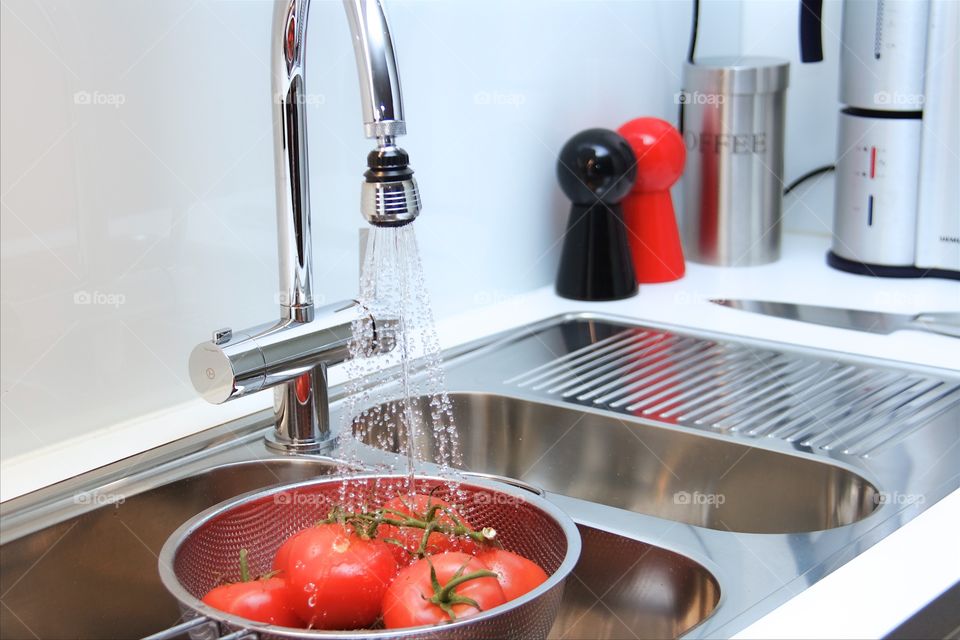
x=397, y=401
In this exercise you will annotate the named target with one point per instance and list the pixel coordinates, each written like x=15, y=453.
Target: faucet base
x=290, y=447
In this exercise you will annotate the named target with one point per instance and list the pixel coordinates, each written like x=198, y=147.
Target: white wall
x=136, y=168
x=770, y=28
x=160, y=203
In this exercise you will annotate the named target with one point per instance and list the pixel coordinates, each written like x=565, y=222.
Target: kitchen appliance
x=203, y=552
x=938, y=208
x=648, y=208
x=734, y=111
x=897, y=197
x=944, y=323
x=596, y=169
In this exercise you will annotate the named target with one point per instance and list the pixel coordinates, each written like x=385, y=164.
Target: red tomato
x=516, y=574
x=261, y=600
x=283, y=554
x=412, y=600
x=337, y=579
x=418, y=506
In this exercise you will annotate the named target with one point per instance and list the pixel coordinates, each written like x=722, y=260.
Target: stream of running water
x=397, y=401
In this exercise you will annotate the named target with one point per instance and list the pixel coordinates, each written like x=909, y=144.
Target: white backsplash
x=137, y=175
x=769, y=28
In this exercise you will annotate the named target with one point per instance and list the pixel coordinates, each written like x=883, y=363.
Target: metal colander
x=203, y=552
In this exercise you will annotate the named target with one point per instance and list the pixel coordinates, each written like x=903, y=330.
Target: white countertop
x=867, y=597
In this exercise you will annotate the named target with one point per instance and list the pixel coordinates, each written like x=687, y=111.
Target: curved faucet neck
x=382, y=105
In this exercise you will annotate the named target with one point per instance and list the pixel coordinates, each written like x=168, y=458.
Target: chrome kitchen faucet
x=292, y=355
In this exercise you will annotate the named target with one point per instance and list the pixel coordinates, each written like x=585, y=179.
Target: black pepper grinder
x=596, y=170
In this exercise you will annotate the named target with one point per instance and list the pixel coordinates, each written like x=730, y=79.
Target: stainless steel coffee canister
x=734, y=111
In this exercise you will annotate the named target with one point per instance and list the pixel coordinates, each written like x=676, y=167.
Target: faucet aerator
x=389, y=196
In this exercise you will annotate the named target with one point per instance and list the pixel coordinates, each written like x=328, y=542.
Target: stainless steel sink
x=98, y=573
x=624, y=588
x=611, y=460
x=713, y=478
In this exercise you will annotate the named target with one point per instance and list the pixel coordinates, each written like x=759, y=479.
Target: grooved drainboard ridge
x=730, y=387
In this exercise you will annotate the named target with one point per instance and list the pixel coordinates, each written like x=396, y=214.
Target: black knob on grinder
x=596, y=170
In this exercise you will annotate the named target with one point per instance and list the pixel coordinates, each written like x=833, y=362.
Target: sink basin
x=662, y=594
x=98, y=571
x=626, y=463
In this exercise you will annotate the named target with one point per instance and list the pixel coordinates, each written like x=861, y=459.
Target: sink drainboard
x=733, y=387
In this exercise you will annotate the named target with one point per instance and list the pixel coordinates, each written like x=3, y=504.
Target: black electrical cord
x=809, y=174
x=691, y=52
x=692, y=49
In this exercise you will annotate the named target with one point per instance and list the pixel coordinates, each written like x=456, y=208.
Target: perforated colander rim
x=168, y=554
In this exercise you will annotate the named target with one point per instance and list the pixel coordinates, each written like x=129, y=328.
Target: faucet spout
x=390, y=196
x=380, y=96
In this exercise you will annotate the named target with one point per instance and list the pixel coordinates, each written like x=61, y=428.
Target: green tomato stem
x=445, y=597
x=244, y=566
x=447, y=590
x=366, y=524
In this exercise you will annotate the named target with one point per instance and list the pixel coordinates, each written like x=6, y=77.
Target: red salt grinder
x=648, y=209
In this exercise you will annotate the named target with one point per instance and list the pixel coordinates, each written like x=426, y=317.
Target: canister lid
x=732, y=75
